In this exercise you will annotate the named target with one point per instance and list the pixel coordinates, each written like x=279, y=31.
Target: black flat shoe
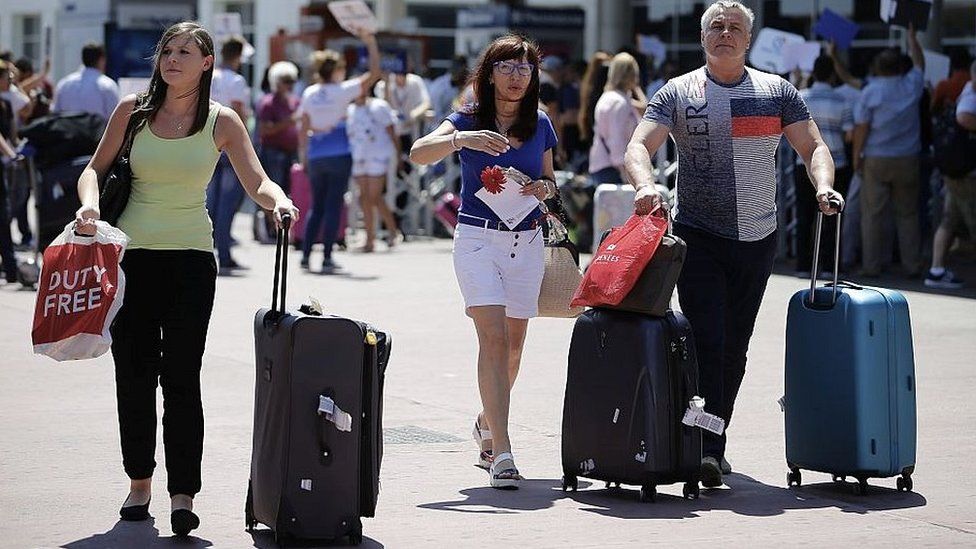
x=134, y=512
x=183, y=521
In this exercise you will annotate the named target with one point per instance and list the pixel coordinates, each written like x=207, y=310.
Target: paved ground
x=61, y=480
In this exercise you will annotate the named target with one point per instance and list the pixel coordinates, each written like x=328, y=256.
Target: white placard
x=936, y=67
x=132, y=85
x=353, y=15
x=769, y=49
x=802, y=55
x=653, y=46
x=510, y=205
x=227, y=26
x=887, y=10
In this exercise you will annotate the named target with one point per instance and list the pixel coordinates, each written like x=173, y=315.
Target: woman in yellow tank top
x=160, y=333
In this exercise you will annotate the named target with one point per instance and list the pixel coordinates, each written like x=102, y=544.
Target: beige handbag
x=562, y=275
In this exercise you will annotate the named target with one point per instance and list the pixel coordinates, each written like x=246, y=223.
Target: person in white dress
x=371, y=124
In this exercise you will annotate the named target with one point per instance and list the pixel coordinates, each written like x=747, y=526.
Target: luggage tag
x=312, y=308
x=696, y=416
x=341, y=419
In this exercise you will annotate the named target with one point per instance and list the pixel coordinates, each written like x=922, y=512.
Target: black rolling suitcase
x=630, y=380
x=317, y=420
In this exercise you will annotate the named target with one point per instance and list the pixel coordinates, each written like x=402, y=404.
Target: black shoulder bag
x=117, y=185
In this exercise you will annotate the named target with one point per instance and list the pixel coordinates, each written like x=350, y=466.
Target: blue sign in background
x=391, y=60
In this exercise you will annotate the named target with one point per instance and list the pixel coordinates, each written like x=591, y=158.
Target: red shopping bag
x=620, y=260
x=79, y=293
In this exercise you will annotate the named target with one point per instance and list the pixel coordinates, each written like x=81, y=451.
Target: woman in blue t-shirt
x=324, y=146
x=499, y=269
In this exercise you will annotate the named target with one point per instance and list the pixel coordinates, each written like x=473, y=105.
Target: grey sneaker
x=330, y=267
x=711, y=472
x=946, y=281
x=726, y=467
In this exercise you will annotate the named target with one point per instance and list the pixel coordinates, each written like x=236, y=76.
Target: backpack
x=60, y=137
x=954, y=146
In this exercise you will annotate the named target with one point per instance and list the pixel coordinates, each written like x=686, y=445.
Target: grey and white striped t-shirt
x=727, y=135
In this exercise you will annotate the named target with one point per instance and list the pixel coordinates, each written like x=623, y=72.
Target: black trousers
x=720, y=290
x=158, y=338
x=806, y=217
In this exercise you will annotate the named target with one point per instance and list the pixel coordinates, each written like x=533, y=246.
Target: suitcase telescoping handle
x=281, y=266
x=816, y=258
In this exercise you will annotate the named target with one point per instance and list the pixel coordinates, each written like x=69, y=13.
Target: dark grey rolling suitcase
x=630, y=379
x=317, y=420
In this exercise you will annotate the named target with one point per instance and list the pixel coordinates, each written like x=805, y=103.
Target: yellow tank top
x=167, y=208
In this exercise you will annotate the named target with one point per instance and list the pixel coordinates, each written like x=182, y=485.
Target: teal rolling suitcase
x=850, y=383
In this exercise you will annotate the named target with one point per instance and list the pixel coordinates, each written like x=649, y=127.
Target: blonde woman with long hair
x=615, y=118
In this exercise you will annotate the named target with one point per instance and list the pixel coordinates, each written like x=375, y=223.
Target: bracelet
x=454, y=141
x=550, y=187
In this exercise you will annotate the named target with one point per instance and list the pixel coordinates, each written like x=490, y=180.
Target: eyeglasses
x=506, y=67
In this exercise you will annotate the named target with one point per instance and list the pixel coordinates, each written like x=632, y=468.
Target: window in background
x=28, y=37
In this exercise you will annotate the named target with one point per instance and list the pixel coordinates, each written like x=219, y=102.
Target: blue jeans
x=329, y=178
x=277, y=164
x=224, y=195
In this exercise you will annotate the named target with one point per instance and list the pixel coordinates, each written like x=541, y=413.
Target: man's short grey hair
x=712, y=11
x=280, y=70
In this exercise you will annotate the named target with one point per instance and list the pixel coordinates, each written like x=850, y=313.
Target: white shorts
x=370, y=167
x=500, y=268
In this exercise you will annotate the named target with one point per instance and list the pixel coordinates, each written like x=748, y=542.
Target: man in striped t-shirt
x=726, y=120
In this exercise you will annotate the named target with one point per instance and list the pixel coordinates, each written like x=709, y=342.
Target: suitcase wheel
x=861, y=488
x=647, y=493
x=691, y=490
x=904, y=483
x=570, y=483
x=794, y=478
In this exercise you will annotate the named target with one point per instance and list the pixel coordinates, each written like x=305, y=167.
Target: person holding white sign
x=499, y=268
x=887, y=142
x=324, y=144
x=727, y=121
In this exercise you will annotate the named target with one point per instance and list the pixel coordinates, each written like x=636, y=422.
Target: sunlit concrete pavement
x=61, y=480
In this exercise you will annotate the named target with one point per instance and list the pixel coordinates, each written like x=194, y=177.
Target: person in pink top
x=617, y=113
x=277, y=125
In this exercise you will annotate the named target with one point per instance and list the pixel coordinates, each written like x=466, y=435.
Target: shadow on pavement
x=533, y=495
x=743, y=495
x=264, y=539
x=142, y=534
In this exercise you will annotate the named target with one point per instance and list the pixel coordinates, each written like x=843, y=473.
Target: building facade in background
x=568, y=28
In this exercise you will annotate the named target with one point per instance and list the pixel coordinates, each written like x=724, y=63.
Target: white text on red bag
x=79, y=293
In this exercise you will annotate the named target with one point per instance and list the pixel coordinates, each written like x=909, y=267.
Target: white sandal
x=503, y=474
x=480, y=436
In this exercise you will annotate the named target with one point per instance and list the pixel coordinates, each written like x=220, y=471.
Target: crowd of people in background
x=879, y=127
